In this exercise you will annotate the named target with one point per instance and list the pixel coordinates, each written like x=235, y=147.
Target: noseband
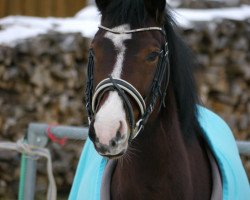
x=126, y=90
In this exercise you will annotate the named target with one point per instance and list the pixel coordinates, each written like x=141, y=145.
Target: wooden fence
x=43, y=8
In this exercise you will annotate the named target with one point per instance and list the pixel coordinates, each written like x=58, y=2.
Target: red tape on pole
x=53, y=138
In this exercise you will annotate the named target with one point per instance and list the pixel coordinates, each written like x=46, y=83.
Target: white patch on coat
x=112, y=114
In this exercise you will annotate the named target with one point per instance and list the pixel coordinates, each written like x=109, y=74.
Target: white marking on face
x=109, y=117
x=112, y=114
x=118, y=40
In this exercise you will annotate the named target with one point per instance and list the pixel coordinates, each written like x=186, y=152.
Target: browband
x=133, y=31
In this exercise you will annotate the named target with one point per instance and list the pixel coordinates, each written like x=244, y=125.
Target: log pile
x=42, y=80
x=223, y=75
x=222, y=51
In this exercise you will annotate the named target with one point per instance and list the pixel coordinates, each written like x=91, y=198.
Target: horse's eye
x=152, y=56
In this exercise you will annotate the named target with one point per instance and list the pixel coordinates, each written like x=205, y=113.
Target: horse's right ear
x=102, y=4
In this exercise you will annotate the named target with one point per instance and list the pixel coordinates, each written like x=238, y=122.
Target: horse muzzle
x=105, y=145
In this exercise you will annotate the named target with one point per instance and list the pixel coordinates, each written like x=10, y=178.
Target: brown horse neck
x=160, y=163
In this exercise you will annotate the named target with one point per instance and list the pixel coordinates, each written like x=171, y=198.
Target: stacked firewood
x=223, y=74
x=222, y=49
x=41, y=80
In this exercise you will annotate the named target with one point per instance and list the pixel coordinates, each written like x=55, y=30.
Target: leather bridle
x=126, y=90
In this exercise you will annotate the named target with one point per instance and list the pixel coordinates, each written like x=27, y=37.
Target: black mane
x=181, y=66
x=133, y=12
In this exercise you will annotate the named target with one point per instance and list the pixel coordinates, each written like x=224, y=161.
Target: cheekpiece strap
x=89, y=86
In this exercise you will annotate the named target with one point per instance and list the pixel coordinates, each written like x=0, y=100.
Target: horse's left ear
x=156, y=9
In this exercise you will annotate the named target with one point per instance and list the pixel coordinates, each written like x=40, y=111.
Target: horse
x=142, y=101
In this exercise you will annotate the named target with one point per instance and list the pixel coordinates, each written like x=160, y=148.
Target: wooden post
x=14, y=7
x=30, y=7
x=3, y=8
x=43, y=8
x=47, y=6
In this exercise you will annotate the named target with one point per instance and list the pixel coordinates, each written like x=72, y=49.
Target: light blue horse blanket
x=88, y=177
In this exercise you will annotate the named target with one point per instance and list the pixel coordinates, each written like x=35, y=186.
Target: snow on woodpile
x=206, y=3
x=15, y=28
x=188, y=17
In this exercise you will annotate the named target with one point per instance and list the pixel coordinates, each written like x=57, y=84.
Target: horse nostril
x=102, y=149
x=113, y=143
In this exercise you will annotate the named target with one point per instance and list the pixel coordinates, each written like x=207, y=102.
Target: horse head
x=128, y=70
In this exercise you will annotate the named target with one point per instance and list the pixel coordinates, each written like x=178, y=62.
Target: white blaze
x=111, y=114
x=118, y=40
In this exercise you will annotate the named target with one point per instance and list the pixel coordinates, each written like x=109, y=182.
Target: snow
x=186, y=17
x=86, y=21
x=16, y=28
x=89, y=12
x=17, y=32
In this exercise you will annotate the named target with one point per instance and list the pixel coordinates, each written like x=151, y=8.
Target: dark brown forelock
x=131, y=12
